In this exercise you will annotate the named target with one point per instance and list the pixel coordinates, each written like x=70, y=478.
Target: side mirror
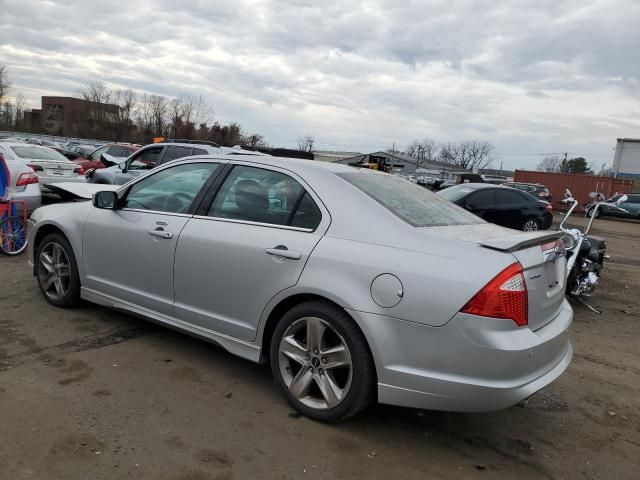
x=105, y=200
x=621, y=200
x=123, y=166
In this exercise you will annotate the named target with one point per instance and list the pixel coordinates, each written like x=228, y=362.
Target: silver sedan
x=356, y=286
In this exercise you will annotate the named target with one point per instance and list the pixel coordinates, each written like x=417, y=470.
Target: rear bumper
x=547, y=220
x=471, y=364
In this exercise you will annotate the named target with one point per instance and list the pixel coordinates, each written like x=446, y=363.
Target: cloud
x=528, y=76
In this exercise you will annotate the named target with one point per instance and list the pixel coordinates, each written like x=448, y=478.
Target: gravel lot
x=95, y=394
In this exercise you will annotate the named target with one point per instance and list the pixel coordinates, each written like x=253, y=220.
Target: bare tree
x=424, y=150
x=476, y=154
x=449, y=153
x=95, y=91
x=5, y=84
x=470, y=154
x=126, y=101
x=550, y=164
x=305, y=142
x=254, y=141
x=157, y=113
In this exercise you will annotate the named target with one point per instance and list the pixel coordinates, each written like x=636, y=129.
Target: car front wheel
x=321, y=362
x=57, y=271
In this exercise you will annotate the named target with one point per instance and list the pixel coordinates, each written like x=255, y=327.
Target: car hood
x=80, y=191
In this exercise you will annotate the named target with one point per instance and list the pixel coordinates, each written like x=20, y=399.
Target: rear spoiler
x=520, y=241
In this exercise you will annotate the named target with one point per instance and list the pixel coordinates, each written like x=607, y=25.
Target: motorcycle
x=585, y=253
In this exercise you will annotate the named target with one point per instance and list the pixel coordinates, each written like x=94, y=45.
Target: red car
x=119, y=150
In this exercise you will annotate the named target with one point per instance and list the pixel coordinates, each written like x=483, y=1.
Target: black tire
x=72, y=296
x=363, y=380
x=527, y=221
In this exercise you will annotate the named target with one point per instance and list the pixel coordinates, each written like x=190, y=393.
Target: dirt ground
x=95, y=394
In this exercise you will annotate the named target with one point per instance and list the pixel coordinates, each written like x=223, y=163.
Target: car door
x=128, y=251
x=139, y=163
x=511, y=208
x=482, y=203
x=630, y=208
x=244, y=246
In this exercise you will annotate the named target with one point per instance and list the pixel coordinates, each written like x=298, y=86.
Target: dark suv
x=535, y=189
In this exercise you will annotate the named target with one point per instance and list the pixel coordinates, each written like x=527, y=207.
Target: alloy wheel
x=315, y=363
x=54, y=271
x=530, y=226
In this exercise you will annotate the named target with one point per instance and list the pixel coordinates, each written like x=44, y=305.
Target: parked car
x=156, y=154
x=535, y=189
x=44, y=143
x=50, y=166
x=503, y=206
x=629, y=208
x=24, y=185
x=93, y=160
x=348, y=281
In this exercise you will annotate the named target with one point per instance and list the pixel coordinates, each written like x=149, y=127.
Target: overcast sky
x=531, y=77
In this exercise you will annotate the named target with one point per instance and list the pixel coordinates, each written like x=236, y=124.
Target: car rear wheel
x=57, y=271
x=531, y=225
x=321, y=362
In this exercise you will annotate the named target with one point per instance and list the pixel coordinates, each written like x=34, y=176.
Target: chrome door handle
x=160, y=233
x=282, y=251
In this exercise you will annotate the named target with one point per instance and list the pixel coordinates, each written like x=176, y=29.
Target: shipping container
x=579, y=184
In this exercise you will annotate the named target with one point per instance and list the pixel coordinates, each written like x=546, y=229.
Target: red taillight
x=35, y=168
x=27, y=179
x=503, y=297
x=549, y=208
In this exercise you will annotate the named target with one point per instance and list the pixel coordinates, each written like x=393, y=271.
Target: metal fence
x=579, y=184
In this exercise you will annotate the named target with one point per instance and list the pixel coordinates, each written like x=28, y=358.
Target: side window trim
x=296, y=205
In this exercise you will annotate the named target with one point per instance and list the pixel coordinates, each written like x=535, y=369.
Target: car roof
x=294, y=164
x=479, y=186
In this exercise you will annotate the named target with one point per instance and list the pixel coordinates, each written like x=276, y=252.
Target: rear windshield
x=414, y=204
x=38, y=153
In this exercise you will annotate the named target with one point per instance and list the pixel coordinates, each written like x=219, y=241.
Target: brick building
x=73, y=117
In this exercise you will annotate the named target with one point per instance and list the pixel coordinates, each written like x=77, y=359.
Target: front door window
x=171, y=190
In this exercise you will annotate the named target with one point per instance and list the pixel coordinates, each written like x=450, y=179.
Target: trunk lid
x=544, y=263
x=55, y=169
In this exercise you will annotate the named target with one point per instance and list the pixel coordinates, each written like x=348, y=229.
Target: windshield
x=453, y=194
x=37, y=153
x=414, y=204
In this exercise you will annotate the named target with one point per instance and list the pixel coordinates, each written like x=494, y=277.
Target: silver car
x=25, y=186
x=50, y=166
x=355, y=285
x=150, y=156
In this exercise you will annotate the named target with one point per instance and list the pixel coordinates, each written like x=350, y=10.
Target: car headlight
x=568, y=241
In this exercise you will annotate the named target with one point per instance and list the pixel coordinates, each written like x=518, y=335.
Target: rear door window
x=265, y=196
x=507, y=197
x=482, y=200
